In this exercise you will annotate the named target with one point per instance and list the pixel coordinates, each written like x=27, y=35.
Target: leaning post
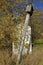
x=28, y=11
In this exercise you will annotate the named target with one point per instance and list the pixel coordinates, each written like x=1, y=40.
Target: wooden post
x=12, y=48
x=28, y=11
x=23, y=37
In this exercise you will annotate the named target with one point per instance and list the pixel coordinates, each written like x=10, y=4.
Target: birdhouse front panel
x=28, y=8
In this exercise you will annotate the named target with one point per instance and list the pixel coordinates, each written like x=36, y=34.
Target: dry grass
x=36, y=58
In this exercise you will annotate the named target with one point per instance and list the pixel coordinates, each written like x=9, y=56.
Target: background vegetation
x=12, y=18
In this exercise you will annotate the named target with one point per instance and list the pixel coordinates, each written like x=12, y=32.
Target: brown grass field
x=36, y=58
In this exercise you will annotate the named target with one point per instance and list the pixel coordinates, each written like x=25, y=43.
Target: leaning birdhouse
x=29, y=9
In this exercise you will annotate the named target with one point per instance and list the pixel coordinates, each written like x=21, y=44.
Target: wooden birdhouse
x=29, y=9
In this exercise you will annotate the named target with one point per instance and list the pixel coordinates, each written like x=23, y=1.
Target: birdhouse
x=29, y=9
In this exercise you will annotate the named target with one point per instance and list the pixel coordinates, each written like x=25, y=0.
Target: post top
x=28, y=8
